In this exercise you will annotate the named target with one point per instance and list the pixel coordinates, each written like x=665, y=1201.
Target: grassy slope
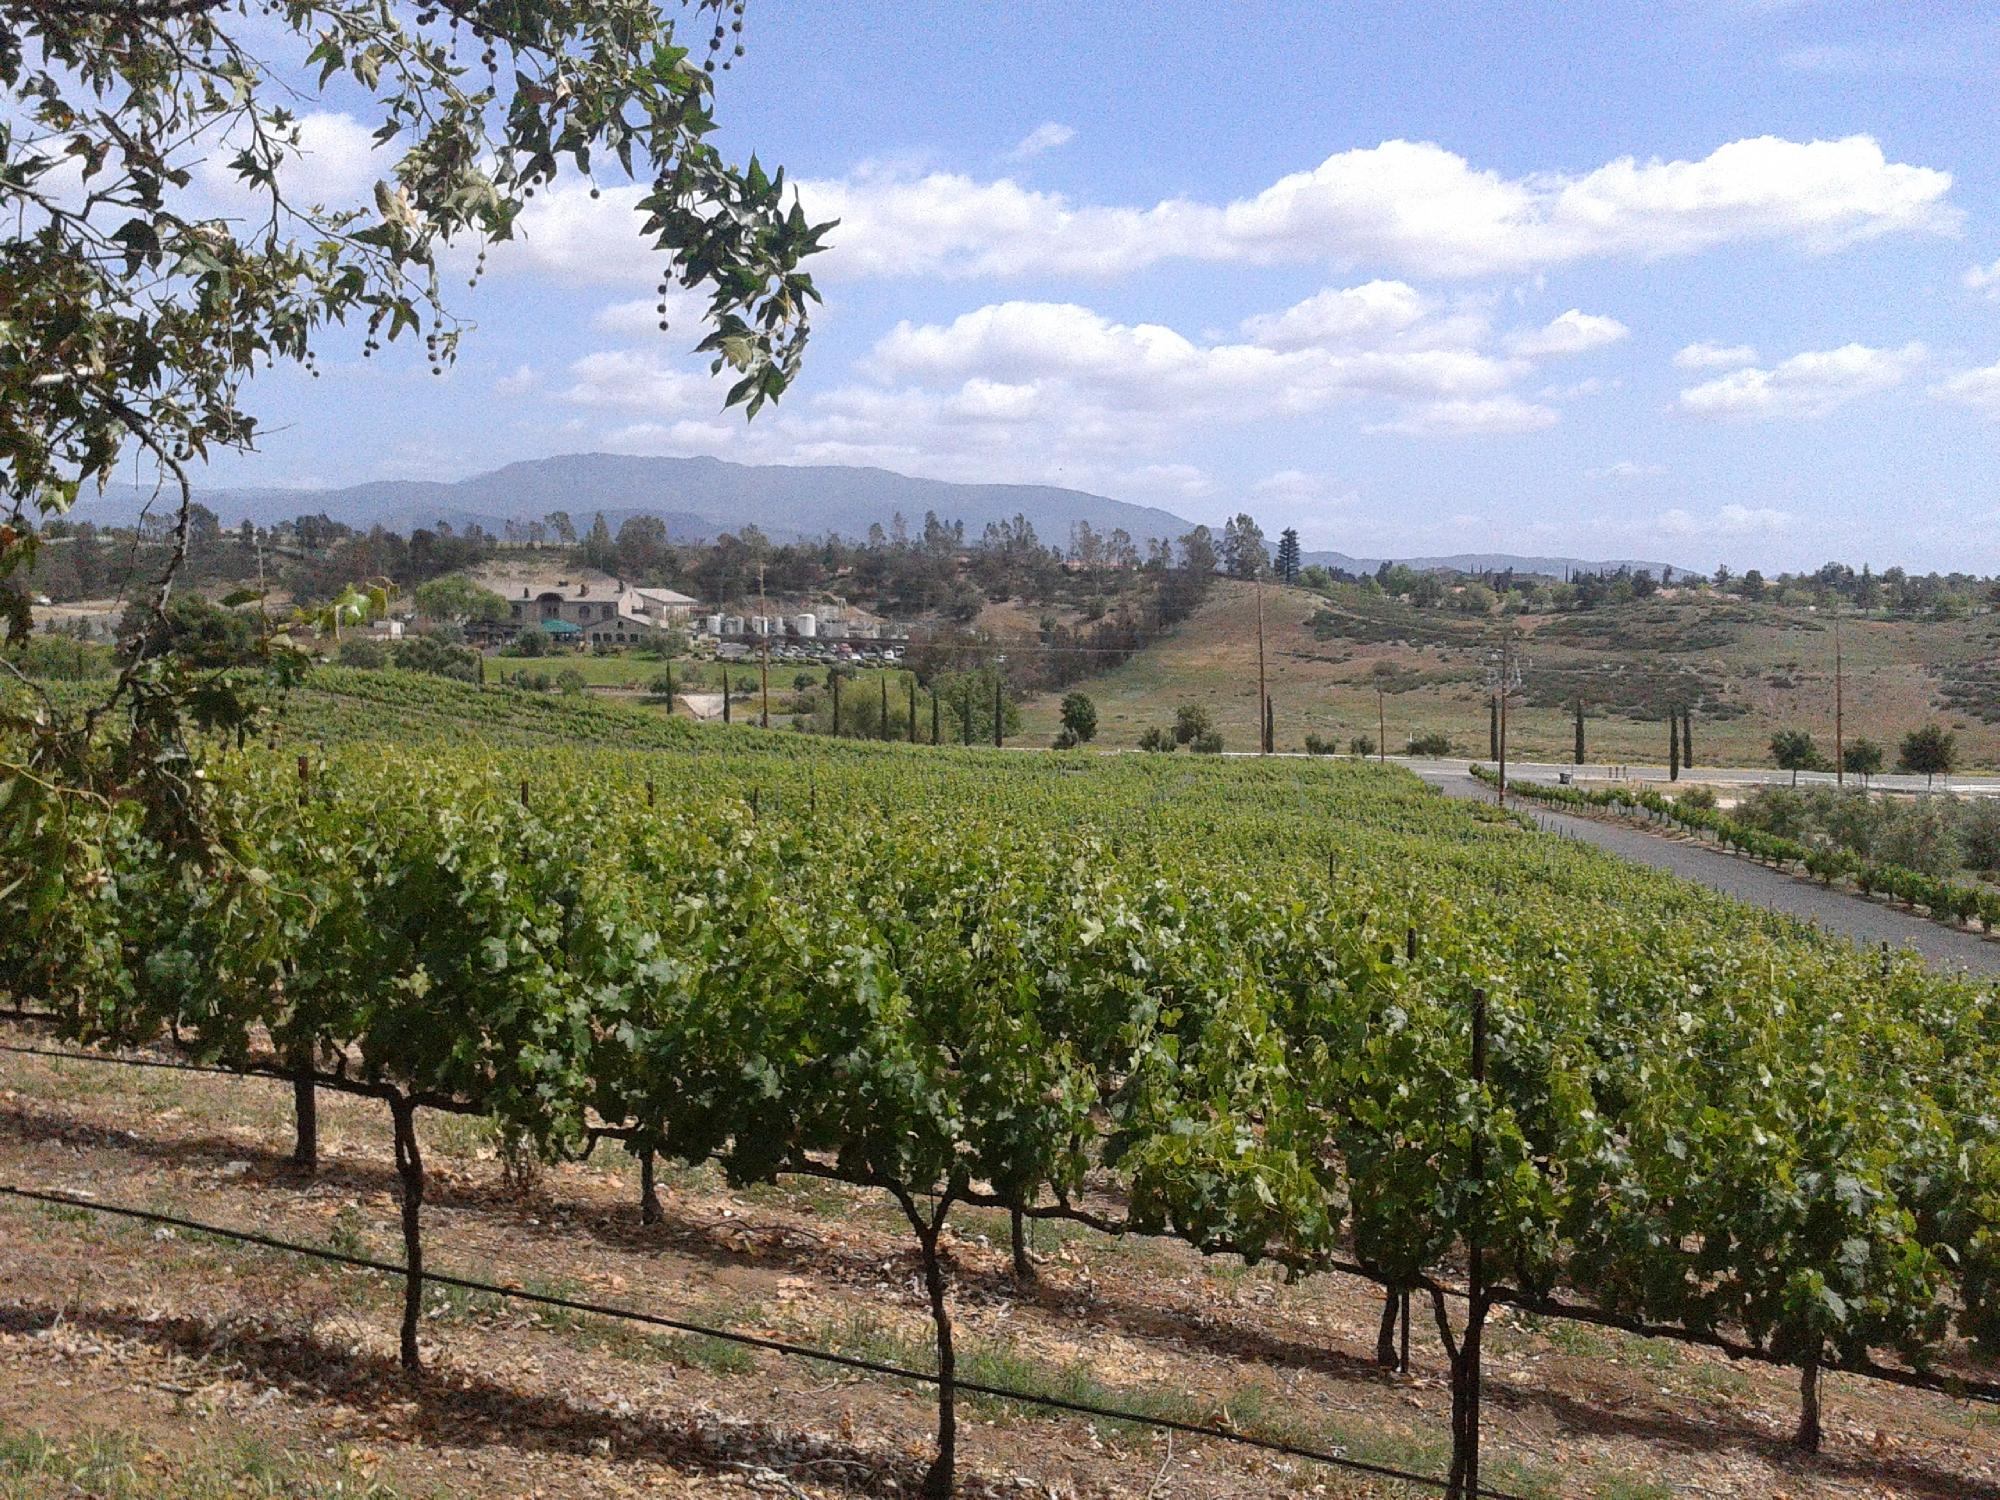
x=1758, y=670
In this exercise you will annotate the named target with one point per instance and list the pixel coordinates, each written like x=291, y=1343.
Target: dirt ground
x=155, y=1364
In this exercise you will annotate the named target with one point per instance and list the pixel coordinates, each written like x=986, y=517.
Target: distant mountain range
x=700, y=498
x=1492, y=562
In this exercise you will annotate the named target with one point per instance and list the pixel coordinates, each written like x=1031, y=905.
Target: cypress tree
x=725, y=695
x=885, y=705
x=934, y=716
x=1579, y=732
x=1687, y=739
x=913, y=709
x=1673, y=745
x=834, y=678
x=999, y=716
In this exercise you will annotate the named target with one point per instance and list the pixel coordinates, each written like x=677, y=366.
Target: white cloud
x=1978, y=389
x=1145, y=366
x=1626, y=468
x=1497, y=416
x=685, y=316
x=1342, y=316
x=1047, y=136
x=335, y=164
x=1573, y=332
x=1413, y=206
x=1806, y=385
x=1594, y=385
x=1715, y=357
x=1729, y=521
x=642, y=380
x=1056, y=392
x=519, y=383
x=1983, y=279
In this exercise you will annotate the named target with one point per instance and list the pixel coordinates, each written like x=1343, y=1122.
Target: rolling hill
x=1750, y=670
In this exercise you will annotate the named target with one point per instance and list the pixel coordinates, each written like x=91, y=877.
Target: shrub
x=1431, y=744
x=1158, y=740
x=1191, y=722
x=1317, y=746
x=1979, y=832
x=570, y=681
x=1361, y=744
x=362, y=652
x=534, y=641
x=426, y=653
x=1208, y=743
x=1079, y=720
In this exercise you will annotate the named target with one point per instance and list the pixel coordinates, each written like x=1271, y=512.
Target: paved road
x=1972, y=784
x=1836, y=911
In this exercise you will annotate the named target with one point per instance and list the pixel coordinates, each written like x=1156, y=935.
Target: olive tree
x=1794, y=750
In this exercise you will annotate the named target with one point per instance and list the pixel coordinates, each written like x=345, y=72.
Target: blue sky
x=1715, y=280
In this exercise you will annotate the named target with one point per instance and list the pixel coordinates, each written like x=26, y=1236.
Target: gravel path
x=1861, y=920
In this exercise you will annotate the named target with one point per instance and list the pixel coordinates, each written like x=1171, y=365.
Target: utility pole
x=1839, y=704
x=765, y=671
x=1263, y=698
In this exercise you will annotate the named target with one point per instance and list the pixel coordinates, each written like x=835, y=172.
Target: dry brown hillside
x=1750, y=670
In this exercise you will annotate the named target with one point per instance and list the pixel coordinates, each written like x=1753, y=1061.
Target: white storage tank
x=807, y=626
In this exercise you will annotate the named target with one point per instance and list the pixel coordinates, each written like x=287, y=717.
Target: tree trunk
x=1385, y=1336
x=1462, y=1482
x=305, y=1111
x=1806, y=1439
x=939, y=1479
x=410, y=1170
x=1024, y=1268
x=649, y=1197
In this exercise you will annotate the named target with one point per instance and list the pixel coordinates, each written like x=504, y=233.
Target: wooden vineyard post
x=410, y=1172
x=999, y=709
x=1466, y=1377
x=1807, y=1438
x=934, y=715
x=305, y=1100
